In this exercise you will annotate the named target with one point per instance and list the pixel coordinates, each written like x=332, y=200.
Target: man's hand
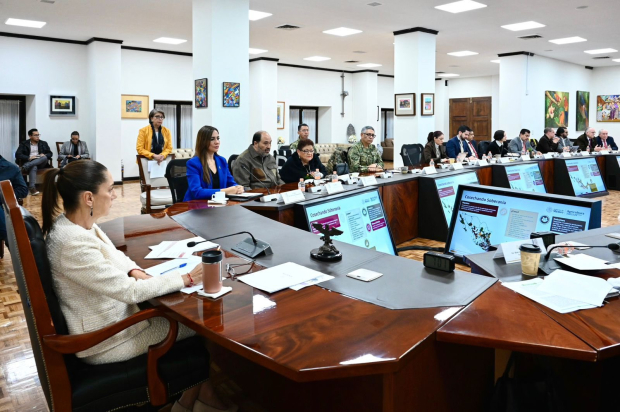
x=69, y=156
x=33, y=157
x=78, y=157
x=598, y=148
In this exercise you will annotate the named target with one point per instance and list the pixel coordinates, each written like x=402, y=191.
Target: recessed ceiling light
x=461, y=6
x=582, y=7
x=25, y=23
x=527, y=25
x=615, y=60
x=568, y=40
x=257, y=51
x=169, y=40
x=317, y=58
x=342, y=31
x=600, y=51
x=449, y=75
x=495, y=61
x=369, y=65
x=257, y=15
x=463, y=53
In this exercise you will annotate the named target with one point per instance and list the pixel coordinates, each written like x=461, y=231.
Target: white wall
x=605, y=80
x=385, y=92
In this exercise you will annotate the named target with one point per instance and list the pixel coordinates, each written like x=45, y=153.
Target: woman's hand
x=196, y=275
x=139, y=274
x=233, y=190
x=159, y=158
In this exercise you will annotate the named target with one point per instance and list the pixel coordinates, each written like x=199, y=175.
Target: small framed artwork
x=232, y=94
x=62, y=105
x=201, y=91
x=134, y=106
x=428, y=104
x=280, y=114
x=404, y=104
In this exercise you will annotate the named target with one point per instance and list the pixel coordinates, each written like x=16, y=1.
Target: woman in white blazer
x=98, y=285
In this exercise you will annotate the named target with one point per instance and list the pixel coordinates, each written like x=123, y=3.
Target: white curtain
x=292, y=125
x=9, y=128
x=309, y=118
x=187, y=141
x=390, y=125
x=170, y=110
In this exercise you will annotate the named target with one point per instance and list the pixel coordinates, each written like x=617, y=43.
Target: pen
x=178, y=267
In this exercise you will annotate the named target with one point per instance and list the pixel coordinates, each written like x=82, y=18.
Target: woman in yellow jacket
x=154, y=140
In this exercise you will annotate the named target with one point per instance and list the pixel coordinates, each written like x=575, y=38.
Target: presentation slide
x=360, y=217
x=486, y=219
x=526, y=177
x=585, y=176
x=447, y=187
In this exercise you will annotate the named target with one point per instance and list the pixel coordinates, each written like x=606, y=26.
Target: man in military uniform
x=303, y=131
x=339, y=156
x=364, y=156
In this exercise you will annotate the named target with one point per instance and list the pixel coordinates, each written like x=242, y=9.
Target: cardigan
x=145, y=140
x=293, y=169
x=67, y=149
x=90, y=278
x=197, y=188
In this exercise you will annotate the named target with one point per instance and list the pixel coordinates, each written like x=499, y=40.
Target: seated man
x=338, y=157
x=10, y=172
x=522, y=144
x=73, y=150
x=587, y=141
x=606, y=141
x=303, y=131
x=34, y=154
x=549, y=142
x=564, y=144
x=363, y=155
x=257, y=160
x=458, y=144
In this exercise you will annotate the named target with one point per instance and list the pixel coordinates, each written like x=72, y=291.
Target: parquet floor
x=20, y=389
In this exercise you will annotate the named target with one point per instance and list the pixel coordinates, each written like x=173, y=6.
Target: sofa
x=326, y=150
x=183, y=153
x=388, y=150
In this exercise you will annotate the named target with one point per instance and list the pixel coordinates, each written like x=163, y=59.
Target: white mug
x=219, y=196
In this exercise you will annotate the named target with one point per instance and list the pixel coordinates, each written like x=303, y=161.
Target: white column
x=365, y=101
x=104, y=88
x=414, y=72
x=513, y=93
x=221, y=39
x=264, y=96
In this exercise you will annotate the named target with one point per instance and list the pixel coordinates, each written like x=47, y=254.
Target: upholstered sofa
x=388, y=150
x=326, y=149
x=183, y=153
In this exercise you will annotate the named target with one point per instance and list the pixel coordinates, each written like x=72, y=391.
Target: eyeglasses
x=158, y=117
x=230, y=269
x=36, y=135
x=307, y=151
x=370, y=135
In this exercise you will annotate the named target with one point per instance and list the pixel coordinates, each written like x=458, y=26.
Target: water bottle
x=335, y=177
x=212, y=271
x=301, y=185
x=431, y=163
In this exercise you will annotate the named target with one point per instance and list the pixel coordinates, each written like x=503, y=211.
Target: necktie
x=605, y=144
x=523, y=144
x=461, y=143
x=473, y=151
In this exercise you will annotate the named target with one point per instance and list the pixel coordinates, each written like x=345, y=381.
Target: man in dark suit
x=549, y=142
x=472, y=145
x=10, y=172
x=521, y=144
x=587, y=141
x=605, y=140
x=458, y=143
x=35, y=153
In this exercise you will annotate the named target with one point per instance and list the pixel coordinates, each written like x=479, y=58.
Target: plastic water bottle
x=301, y=185
x=335, y=177
x=431, y=163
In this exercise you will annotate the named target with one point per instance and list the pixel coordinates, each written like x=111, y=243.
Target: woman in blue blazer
x=207, y=172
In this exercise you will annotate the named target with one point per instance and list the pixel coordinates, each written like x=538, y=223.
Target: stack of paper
x=564, y=291
x=181, y=266
x=178, y=249
x=157, y=170
x=584, y=262
x=281, y=277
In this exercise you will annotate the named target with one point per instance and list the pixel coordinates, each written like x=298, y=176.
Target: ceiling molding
x=42, y=38
x=94, y=39
x=385, y=75
x=297, y=66
x=589, y=67
x=268, y=59
x=363, y=71
x=156, y=51
x=416, y=29
x=515, y=54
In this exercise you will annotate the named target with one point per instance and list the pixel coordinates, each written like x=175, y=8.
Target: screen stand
x=548, y=266
x=325, y=257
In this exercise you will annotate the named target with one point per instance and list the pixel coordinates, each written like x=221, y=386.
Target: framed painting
x=280, y=111
x=62, y=105
x=583, y=110
x=232, y=94
x=428, y=104
x=134, y=106
x=556, y=109
x=201, y=93
x=607, y=108
x=404, y=104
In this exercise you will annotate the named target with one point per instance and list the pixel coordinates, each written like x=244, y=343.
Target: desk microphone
x=251, y=246
x=615, y=247
x=263, y=199
x=406, y=153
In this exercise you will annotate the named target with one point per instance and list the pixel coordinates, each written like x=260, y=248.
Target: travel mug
x=212, y=271
x=530, y=258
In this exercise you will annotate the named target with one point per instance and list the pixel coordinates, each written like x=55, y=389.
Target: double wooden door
x=474, y=112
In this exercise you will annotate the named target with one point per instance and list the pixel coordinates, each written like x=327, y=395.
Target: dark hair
x=560, y=131
x=257, y=136
x=434, y=135
x=304, y=143
x=75, y=134
x=524, y=131
x=151, y=115
x=31, y=131
x=302, y=125
x=499, y=135
x=203, y=141
x=73, y=180
x=469, y=129
x=462, y=129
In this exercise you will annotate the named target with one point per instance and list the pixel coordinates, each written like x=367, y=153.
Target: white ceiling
x=138, y=22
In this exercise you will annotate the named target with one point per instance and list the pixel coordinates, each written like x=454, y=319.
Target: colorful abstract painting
x=608, y=108
x=232, y=94
x=201, y=93
x=134, y=106
x=583, y=110
x=556, y=109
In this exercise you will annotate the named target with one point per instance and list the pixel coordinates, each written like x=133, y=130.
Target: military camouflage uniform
x=294, y=146
x=360, y=157
x=339, y=156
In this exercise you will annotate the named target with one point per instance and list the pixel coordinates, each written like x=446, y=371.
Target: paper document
x=178, y=249
x=529, y=289
x=510, y=250
x=173, y=266
x=280, y=277
x=311, y=282
x=157, y=170
x=583, y=262
x=583, y=288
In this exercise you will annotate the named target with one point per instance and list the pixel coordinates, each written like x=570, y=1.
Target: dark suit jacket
x=23, y=151
x=497, y=148
x=430, y=153
x=610, y=142
x=453, y=148
x=10, y=172
x=545, y=145
x=582, y=142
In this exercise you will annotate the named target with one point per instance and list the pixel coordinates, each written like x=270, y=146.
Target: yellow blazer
x=145, y=139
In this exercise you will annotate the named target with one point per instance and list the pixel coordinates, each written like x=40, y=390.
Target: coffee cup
x=451, y=160
x=354, y=174
x=530, y=258
x=219, y=196
x=404, y=169
x=212, y=271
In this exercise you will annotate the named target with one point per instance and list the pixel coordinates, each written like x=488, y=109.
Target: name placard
x=429, y=170
x=456, y=166
x=504, y=160
x=482, y=162
x=604, y=152
x=367, y=181
x=293, y=196
x=334, y=188
x=548, y=156
x=566, y=154
x=525, y=158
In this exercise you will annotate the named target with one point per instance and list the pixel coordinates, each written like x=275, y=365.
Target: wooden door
x=474, y=112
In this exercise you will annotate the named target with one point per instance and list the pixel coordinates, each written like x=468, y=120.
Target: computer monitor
x=579, y=176
x=359, y=214
x=521, y=176
x=485, y=216
x=447, y=187
x=612, y=172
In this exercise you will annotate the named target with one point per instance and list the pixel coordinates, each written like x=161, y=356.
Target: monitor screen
x=585, y=176
x=527, y=177
x=484, y=219
x=360, y=216
x=447, y=188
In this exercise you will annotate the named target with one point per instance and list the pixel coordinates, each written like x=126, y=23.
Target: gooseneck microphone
x=259, y=181
x=251, y=246
x=406, y=153
x=615, y=247
x=192, y=244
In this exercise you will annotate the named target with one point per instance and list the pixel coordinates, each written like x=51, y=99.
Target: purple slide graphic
x=333, y=221
x=378, y=224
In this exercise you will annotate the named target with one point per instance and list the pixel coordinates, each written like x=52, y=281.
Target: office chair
x=176, y=174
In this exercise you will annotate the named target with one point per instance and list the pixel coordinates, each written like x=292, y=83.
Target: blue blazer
x=453, y=148
x=610, y=142
x=197, y=187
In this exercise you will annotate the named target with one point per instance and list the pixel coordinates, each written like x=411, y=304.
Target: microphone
x=192, y=244
x=406, y=153
x=615, y=247
x=250, y=247
x=259, y=181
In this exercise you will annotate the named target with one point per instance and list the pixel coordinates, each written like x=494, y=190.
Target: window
x=307, y=115
x=387, y=124
x=178, y=120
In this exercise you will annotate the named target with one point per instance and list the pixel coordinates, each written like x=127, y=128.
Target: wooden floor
x=20, y=389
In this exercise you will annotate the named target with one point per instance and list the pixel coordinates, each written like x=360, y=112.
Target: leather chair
x=411, y=154
x=58, y=147
x=231, y=160
x=155, y=192
x=67, y=382
x=483, y=147
x=176, y=174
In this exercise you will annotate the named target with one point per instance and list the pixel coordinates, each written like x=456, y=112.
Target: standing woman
x=207, y=172
x=434, y=148
x=154, y=140
x=497, y=145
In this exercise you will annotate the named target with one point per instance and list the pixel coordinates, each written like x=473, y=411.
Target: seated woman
x=302, y=163
x=96, y=284
x=497, y=145
x=155, y=140
x=207, y=172
x=434, y=149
